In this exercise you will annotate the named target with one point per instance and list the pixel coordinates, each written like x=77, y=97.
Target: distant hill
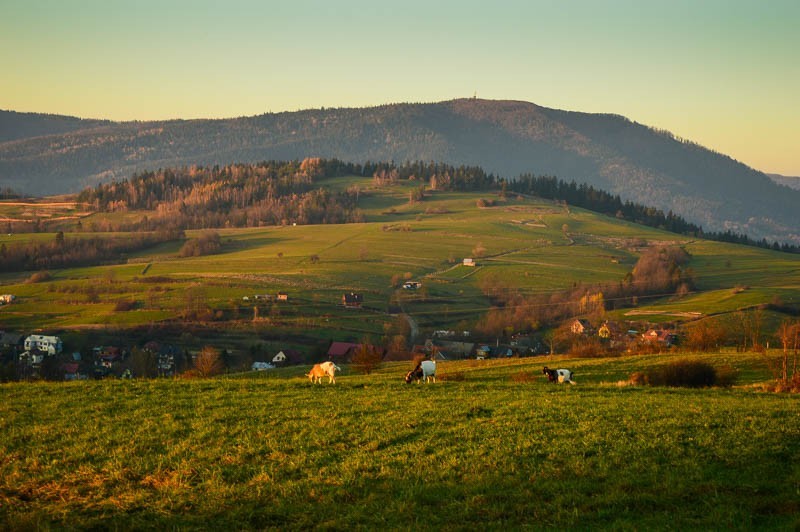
x=789, y=181
x=639, y=163
x=15, y=126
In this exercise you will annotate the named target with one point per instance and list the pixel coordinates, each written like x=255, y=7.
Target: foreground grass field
x=493, y=446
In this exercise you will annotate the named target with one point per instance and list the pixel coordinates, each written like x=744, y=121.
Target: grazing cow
x=425, y=370
x=321, y=370
x=558, y=375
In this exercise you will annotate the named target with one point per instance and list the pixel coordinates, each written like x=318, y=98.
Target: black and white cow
x=558, y=375
x=425, y=370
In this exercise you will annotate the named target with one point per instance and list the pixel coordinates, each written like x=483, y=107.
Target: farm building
x=468, y=262
x=660, y=336
x=287, y=357
x=50, y=345
x=6, y=298
x=412, y=285
x=12, y=342
x=283, y=296
x=580, y=326
x=341, y=351
x=352, y=300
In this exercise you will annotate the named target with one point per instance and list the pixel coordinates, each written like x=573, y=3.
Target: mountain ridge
x=505, y=137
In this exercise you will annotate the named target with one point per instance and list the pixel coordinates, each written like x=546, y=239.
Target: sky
x=723, y=73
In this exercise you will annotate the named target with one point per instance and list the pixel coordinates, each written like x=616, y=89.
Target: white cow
x=558, y=375
x=321, y=370
x=425, y=370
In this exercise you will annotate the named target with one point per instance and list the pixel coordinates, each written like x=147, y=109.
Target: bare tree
x=366, y=358
x=209, y=362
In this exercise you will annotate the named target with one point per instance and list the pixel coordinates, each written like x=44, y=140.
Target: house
x=261, y=366
x=468, y=262
x=609, y=330
x=50, y=345
x=450, y=349
x=483, y=352
x=352, y=300
x=580, y=326
x=341, y=351
x=7, y=298
x=166, y=356
x=71, y=372
x=12, y=342
x=31, y=359
x=283, y=296
x=412, y=285
x=287, y=357
x=108, y=356
x=660, y=336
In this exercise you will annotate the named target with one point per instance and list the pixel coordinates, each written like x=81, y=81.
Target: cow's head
x=414, y=374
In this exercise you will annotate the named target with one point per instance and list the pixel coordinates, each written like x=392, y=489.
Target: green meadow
x=492, y=445
x=531, y=244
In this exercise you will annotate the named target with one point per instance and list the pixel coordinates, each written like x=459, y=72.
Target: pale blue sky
x=722, y=73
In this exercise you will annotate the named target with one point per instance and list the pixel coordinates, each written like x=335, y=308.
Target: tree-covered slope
x=506, y=137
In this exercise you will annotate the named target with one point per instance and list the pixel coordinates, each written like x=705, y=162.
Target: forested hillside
x=15, y=126
x=508, y=138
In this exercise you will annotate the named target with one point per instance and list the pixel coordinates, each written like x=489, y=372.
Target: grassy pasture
x=522, y=242
x=489, y=451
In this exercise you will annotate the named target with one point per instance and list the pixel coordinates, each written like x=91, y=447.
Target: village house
x=663, y=337
x=12, y=342
x=609, y=331
x=5, y=299
x=50, y=345
x=468, y=262
x=341, y=351
x=412, y=285
x=283, y=296
x=580, y=326
x=450, y=349
x=352, y=300
x=287, y=357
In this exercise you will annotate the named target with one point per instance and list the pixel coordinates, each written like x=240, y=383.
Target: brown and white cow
x=321, y=370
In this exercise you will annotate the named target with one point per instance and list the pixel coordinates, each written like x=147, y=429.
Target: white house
x=46, y=344
x=468, y=262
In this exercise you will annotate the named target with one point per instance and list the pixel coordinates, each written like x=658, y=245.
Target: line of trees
x=62, y=252
x=285, y=192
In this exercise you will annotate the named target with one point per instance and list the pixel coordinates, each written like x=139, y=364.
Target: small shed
x=352, y=300
x=287, y=357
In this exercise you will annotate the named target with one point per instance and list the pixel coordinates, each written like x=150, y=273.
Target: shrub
x=366, y=358
x=209, y=362
x=39, y=277
x=683, y=373
x=639, y=379
x=125, y=305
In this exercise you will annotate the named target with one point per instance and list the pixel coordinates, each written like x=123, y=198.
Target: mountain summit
x=639, y=163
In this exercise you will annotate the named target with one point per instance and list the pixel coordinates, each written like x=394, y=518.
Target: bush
x=125, y=305
x=684, y=374
x=39, y=277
